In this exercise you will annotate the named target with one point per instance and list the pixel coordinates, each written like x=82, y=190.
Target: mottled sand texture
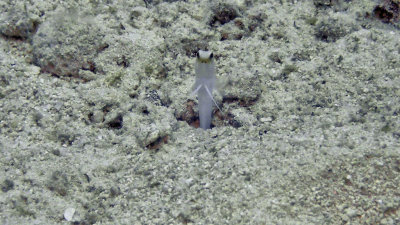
x=97, y=124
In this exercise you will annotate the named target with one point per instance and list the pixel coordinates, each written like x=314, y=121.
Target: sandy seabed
x=97, y=124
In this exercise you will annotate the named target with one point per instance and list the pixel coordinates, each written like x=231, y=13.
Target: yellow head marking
x=204, y=56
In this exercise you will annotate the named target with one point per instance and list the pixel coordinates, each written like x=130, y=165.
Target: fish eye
x=211, y=55
x=198, y=55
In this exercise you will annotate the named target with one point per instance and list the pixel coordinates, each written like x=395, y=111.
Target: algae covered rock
x=67, y=44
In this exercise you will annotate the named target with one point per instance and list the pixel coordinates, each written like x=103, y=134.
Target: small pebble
x=267, y=119
x=69, y=213
x=351, y=212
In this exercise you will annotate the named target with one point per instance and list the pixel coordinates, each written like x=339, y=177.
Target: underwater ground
x=97, y=124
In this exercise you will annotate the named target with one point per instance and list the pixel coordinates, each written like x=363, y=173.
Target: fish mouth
x=204, y=56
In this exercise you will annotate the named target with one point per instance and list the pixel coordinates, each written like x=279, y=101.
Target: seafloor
x=97, y=124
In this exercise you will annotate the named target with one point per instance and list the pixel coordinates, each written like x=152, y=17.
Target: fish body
x=204, y=86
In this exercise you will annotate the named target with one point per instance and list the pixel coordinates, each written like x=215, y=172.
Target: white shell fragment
x=69, y=213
